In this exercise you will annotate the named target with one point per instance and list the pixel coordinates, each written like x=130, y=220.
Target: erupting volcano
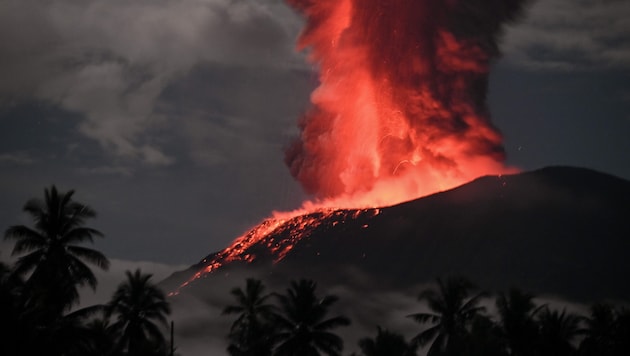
x=401, y=107
x=400, y=111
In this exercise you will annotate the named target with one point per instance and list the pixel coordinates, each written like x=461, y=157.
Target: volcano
x=561, y=231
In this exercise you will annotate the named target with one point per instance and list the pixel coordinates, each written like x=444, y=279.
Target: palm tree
x=54, y=254
x=485, y=338
x=386, y=343
x=303, y=329
x=453, y=311
x=516, y=311
x=98, y=339
x=15, y=333
x=70, y=334
x=557, y=332
x=607, y=332
x=600, y=330
x=141, y=308
x=621, y=341
x=251, y=331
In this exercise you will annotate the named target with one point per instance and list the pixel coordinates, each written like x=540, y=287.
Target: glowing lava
x=291, y=228
x=400, y=111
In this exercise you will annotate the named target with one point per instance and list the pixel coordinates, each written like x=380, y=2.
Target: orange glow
x=291, y=226
x=400, y=113
x=400, y=110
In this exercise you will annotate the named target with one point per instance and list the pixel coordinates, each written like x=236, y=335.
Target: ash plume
x=401, y=107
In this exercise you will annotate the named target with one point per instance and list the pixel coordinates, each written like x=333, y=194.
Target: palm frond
x=424, y=337
x=423, y=318
x=80, y=273
x=35, y=208
x=333, y=323
x=28, y=262
x=472, y=302
x=87, y=312
x=232, y=309
x=17, y=232
x=90, y=255
x=80, y=234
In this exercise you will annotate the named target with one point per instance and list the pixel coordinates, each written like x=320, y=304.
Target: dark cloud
x=569, y=35
x=110, y=61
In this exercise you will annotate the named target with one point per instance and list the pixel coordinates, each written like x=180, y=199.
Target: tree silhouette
x=54, y=254
x=558, y=329
x=251, y=333
x=70, y=334
x=452, y=313
x=600, y=327
x=607, y=332
x=15, y=332
x=516, y=311
x=140, y=308
x=98, y=339
x=621, y=341
x=386, y=343
x=485, y=339
x=303, y=329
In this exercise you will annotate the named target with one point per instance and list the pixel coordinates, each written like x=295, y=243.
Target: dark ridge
x=557, y=230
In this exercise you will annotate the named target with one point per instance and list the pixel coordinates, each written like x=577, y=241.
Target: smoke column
x=401, y=109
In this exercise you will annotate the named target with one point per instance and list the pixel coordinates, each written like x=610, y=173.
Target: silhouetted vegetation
x=139, y=307
x=456, y=324
x=38, y=292
x=297, y=325
x=386, y=343
x=252, y=331
x=453, y=311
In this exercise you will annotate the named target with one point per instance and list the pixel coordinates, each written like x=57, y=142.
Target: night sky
x=169, y=118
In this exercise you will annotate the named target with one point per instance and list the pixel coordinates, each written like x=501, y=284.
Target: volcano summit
x=558, y=230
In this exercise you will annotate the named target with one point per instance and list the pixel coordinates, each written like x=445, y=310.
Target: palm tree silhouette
x=516, y=311
x=98, y=339
x=452, y=313
x=558, y=329
x=54, y=255
x=485, y=338
x=600, y=326
x=13, y=326
x=303, y=329
x=621, y=341
x=141, y=308
x=69, y=334
x=386, y=343
x=252, y=330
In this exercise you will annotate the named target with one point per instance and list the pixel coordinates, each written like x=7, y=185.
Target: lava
x=278, y=235
x=400, y=111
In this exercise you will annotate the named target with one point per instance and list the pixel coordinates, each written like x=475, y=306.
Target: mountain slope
x=558, y=230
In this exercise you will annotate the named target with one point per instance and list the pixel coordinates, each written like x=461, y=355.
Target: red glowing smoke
x=401, y=110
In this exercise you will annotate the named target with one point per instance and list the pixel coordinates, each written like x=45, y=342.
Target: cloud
x=106, y=170
x=109, y=280
x=571, y=35
x=18, y=158
x=110, y=61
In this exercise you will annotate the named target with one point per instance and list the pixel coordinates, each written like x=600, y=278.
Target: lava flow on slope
x=400, y=111
x=268, y=233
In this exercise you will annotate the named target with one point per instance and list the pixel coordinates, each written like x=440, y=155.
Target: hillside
x=558, y=230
